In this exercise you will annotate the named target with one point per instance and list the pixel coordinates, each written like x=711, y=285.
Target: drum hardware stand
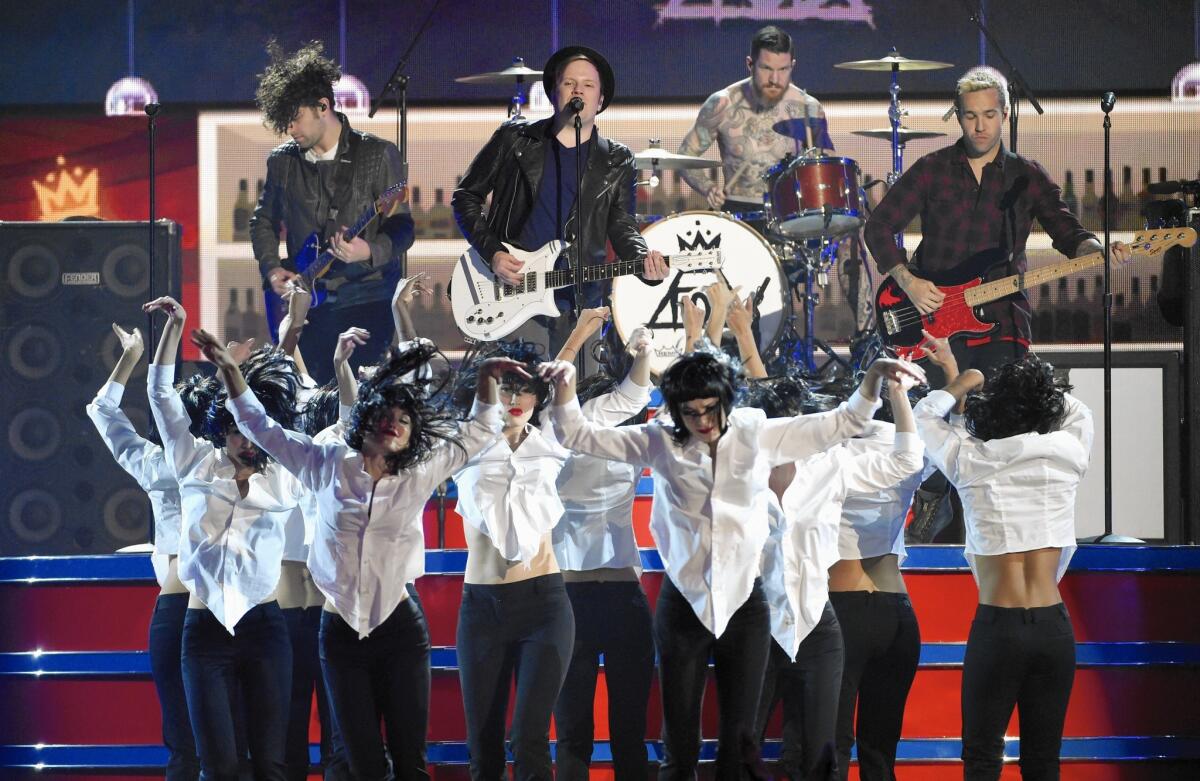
x=808, y=274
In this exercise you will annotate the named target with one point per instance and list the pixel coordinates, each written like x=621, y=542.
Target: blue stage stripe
x=136, y=664
x=1099, y=749
x=135, y=567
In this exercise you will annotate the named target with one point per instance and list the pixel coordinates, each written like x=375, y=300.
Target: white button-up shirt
x=873, y=522
x=596, y=530
x=804, y=537
x=710, y=520
x=511, y=496
x=1018, y=493
x=300, y=529
x=231, y=547
x=144, y=462
x=369, y=542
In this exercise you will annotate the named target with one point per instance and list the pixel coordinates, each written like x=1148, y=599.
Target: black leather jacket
x=510, y=166
x=294, y=197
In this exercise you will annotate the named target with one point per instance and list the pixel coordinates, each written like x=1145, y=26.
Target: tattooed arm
x=698, y=140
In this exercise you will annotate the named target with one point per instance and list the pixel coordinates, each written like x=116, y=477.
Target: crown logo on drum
x=699, y=243
x=68, y=193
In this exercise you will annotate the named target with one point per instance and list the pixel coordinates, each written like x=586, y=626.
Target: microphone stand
x=151, y=110
x=398, y=83
x=577, y=286
x=1107, y=101
x=1017, y=86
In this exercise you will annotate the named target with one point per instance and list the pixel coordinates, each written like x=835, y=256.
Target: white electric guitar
x=487, y=308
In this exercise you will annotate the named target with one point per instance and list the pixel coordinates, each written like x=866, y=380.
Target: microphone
x=151, y=109
x=575, y=104
x=1107, y=101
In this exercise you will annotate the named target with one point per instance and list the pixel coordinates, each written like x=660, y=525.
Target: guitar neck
x=1006, y=286
x=316, y=269
x=597, y=273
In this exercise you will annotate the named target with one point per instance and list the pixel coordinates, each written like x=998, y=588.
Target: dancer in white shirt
x=711, y=465
x=515, y=621
x=879, y=628
x=804, y=671
x=371, y=486
x=142, y=458
x=1016, y=454
x=235, y=507
x=595, y=546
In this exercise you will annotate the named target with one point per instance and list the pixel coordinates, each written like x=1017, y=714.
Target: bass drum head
x=749, y=263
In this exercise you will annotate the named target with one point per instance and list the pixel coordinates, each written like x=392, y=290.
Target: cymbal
x=906, y=134
x=657, y=157
x=795, y=128
x=513, y=73
x=894, y=60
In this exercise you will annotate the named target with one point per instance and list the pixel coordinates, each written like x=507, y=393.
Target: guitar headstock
x=1152, y=242
x=700, y=260
x=391, y=199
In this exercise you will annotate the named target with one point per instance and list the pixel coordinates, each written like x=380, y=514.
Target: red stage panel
x=76, y=617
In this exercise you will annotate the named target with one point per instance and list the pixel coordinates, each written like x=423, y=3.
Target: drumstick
x=736, y=175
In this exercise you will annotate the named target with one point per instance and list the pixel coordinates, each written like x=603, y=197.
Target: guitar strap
x=343, y=179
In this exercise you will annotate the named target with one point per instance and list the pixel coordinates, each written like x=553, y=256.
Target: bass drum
x=749, y=263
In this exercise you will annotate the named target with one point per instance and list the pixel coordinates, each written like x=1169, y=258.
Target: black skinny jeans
x=523, y=631
x=883, y=648
x=1023, y=657
x=304, y=629
x=611, y=619
x=382, y=676
x=166, y=667
x=808, y=688
x=740, y=660
x=254, y=663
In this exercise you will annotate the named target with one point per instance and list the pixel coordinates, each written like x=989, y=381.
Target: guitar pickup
x=890, y=323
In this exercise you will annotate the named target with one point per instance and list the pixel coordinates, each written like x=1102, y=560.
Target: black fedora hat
x=608, y=83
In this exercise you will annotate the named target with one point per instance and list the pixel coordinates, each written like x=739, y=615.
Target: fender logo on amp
x=81, y=278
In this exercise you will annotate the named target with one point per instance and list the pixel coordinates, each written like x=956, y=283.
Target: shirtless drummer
x=741, y=119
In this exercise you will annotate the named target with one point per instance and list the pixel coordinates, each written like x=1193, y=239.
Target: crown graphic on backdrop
x=68, y=193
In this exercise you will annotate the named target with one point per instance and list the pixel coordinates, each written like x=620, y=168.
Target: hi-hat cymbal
x=894, y=61
x=513, y=73
x=657, y=157
x=906, y=134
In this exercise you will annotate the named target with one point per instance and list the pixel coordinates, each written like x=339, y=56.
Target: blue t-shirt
x=555, y=196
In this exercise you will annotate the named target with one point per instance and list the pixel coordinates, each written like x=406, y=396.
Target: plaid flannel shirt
x=963, y=220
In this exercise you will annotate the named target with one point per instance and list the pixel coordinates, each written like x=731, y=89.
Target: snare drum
x=809, y=197
x=749, y=263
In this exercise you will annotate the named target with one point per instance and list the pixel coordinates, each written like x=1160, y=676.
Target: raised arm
x=407, y=289
x=741, y=322
x=720, y=297
x=132, y=452
x=693, y=323
x=942, y=438
x=783, y=440
x=183, y=451
x=875, y=470
x=346, y=381
x=632, y=394
x=292, y=324
x=590, y=322
x=625, y=443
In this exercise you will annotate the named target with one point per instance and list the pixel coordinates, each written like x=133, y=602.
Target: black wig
x=527, y=353
x=1020, y=398
x=273, y=378
x=703, y=374
x=385, y=389
x=321, y=410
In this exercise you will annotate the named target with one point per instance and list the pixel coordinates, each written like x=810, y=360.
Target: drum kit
x=813, y=204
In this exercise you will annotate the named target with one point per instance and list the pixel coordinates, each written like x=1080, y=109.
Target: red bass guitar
x=900, y=324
